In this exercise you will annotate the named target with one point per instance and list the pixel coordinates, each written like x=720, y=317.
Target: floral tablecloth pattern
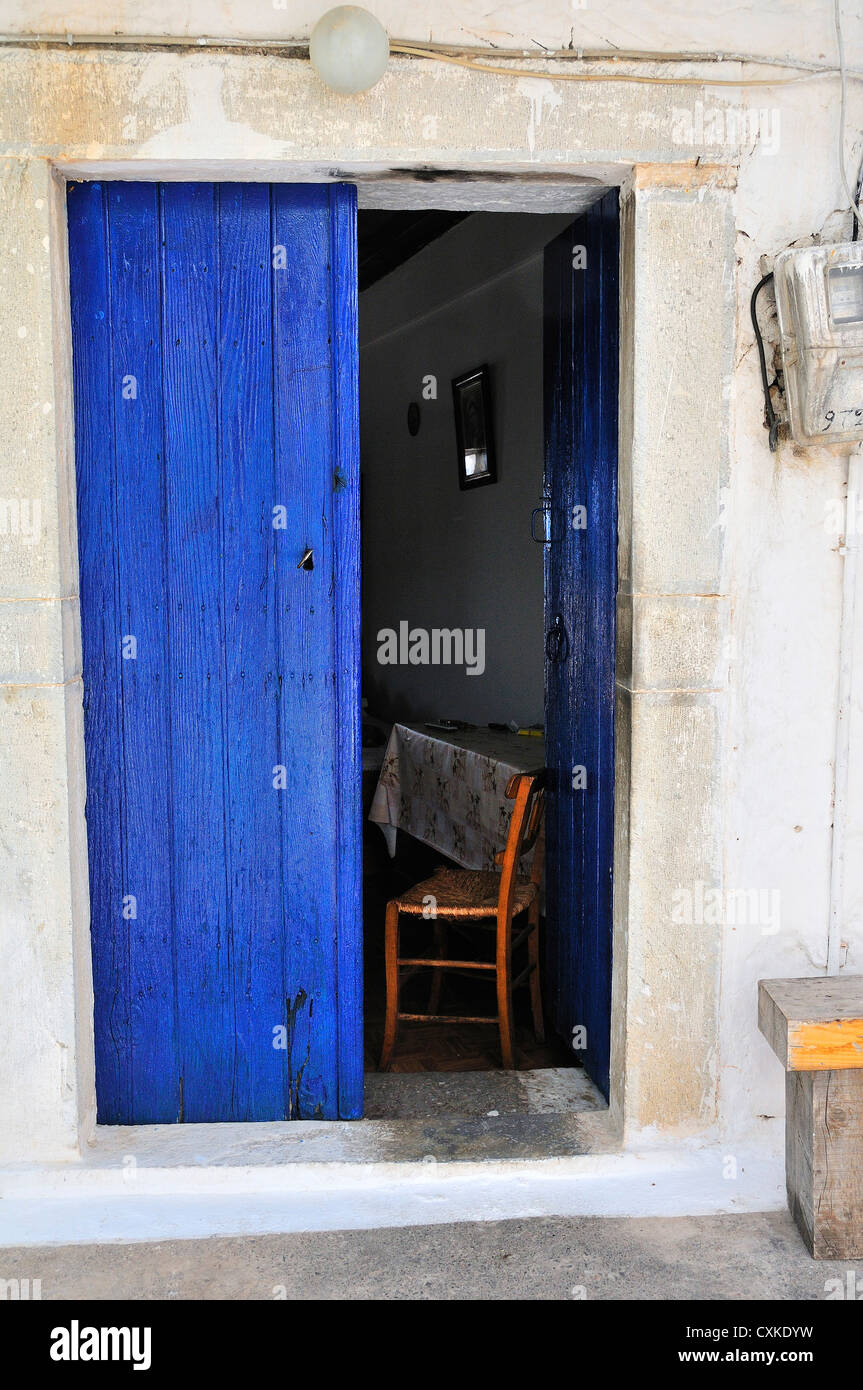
x=448, y=789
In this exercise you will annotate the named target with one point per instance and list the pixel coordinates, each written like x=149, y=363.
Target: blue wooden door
x=581, y=392
x=215, y=377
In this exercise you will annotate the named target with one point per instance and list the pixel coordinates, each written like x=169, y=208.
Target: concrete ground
x=715, y=1257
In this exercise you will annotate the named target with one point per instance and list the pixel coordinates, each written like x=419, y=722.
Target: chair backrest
x=526, y=833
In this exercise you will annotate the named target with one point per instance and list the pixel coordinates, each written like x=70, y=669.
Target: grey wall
x=433, y=555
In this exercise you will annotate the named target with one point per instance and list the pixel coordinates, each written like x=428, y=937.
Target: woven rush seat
x=465, y=893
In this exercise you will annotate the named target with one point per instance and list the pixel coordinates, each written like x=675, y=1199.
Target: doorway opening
x=476, y=398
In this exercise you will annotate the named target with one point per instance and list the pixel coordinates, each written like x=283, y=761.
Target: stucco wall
x=778, y=569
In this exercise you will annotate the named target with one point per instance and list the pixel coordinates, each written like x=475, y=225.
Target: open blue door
x=215, y=375
x=580, y=486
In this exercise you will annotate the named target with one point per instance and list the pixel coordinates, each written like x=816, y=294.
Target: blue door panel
x=214, y=356
x=581, y=394
x=305, y=478
x=137, y=477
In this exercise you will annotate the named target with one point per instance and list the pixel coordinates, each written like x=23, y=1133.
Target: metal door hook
x=545, y=512
x=556, y=640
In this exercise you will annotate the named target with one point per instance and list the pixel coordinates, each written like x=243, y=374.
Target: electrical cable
x=855, y=230
x=837, y=14
x=467, y=57
x=773, y=421
x=437, y=56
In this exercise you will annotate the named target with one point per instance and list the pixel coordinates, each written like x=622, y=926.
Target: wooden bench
x=815, y=1027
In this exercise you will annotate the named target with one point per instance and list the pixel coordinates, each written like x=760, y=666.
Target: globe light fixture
x=349, y=49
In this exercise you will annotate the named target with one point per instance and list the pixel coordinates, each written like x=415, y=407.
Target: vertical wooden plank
x=553, y=358
x=581, y=471
x=604, y=565
x=256, y=1088
x=139, y=535
x=346, y=524
x=823, y=1137
x=564, y=672
x=588, y=985
x=305, y=471
x=205, y=1005
x=100, y=622
x=799, y=1131
x=576, y=608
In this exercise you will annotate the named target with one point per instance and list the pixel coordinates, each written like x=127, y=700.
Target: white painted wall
x=785, y=575
x=783, y=567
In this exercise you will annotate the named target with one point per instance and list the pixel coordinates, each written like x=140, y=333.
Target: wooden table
x=447, y=789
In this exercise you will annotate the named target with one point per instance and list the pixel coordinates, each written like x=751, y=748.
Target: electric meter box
x=819, y=298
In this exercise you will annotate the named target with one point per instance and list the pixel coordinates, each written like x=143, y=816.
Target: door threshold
x=418, y=1095
x=450, y=1137
x=412, y=1117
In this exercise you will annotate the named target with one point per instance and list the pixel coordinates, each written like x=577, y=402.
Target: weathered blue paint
x=581, y=385
x=215, y=374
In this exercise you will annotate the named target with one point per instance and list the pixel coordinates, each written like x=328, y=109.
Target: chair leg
x=392, y=973
x=504, y=1001
x=533, y=961
x=440, y=941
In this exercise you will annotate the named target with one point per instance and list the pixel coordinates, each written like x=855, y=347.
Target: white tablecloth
x=448, y=789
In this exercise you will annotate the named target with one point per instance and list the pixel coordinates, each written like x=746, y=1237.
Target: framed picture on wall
x=473, y=428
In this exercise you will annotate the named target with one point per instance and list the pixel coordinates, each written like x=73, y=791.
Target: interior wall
x=433, y=555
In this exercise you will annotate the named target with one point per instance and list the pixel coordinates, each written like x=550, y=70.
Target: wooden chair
x=484, y=899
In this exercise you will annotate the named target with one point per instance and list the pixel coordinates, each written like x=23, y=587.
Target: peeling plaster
x=205, y=109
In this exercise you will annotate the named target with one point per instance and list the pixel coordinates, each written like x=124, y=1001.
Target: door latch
x=307, y=560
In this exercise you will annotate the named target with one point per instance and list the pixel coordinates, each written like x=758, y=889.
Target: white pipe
x=843, y=714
